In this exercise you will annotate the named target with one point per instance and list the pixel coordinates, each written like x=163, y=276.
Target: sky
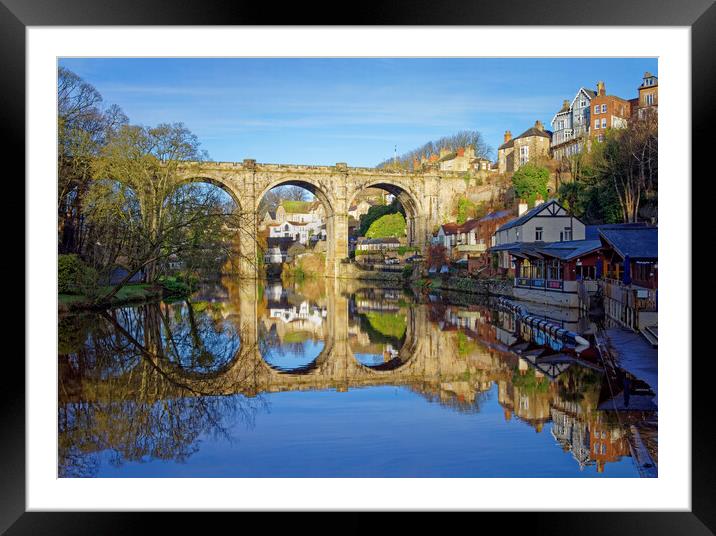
x=355, y=110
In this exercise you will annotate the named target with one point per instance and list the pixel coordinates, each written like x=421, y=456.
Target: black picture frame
x=699, y=15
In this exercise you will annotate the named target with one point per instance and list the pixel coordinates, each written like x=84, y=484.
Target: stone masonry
x=426, y=196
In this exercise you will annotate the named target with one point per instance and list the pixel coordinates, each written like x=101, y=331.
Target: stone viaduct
x=426, y=196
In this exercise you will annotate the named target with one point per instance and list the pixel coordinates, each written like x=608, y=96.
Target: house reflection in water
x=352, y=348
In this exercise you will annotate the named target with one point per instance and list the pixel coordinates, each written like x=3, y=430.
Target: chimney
x=416, y=163
x=539, y=125
x=565, y=105
x=423, y=159
x=521, y=207
x=601, y=88
x=538, y=200
x=508, y=136
x=470, y=151
x=461, y=151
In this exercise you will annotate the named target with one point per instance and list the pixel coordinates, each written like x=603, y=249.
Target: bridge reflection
x=190, y=357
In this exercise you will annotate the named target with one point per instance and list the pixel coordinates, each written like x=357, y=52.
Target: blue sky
x=323, y=111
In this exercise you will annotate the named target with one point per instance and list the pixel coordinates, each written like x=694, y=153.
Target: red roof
x=450, y=228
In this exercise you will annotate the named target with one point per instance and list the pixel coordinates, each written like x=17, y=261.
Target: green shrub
x=402, y=250
x=407, y=271
x=530, y=181
x=390, y=225
x=75, y=277
x=178, y=285
x=375, y=212
x=465, y=210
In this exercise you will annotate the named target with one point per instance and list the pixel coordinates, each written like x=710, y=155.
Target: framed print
x=410, y=264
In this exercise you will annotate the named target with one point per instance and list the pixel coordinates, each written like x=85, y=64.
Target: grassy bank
x=133, y=293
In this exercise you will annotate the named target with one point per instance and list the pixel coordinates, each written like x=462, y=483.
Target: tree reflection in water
x=121, y=389
x=149, y=383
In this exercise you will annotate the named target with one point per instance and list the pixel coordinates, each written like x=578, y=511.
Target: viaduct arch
x=426, y=196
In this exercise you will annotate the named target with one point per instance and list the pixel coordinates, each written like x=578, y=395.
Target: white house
x=300, y=232
x=461, y=237
x=274, y=255
x=447, y=235
x=546, y=222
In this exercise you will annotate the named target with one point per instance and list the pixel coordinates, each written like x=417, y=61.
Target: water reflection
x=378, y=322
x=292, y=330
x=165, y=381
x=123, y=388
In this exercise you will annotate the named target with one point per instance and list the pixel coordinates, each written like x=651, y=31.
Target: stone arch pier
x=426, y=196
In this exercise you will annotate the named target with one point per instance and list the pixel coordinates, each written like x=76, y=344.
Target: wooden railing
x=635, y=297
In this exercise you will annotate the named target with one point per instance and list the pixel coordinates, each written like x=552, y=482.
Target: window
x=567, y=234
x=538, y=234
x=583, y=103
x=604, y=122
x=596, y=108
x=604, y=108
x=596, y=124
x=649, y=99
x=524, y=154
x=554, y=270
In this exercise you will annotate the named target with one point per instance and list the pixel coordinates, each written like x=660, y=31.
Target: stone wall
x=485, y=287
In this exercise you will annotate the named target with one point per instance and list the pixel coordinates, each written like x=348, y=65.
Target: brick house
x=607, y=111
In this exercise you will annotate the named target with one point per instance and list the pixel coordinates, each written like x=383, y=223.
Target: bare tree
x=84, y=126
x=464, y=138
x=628, y=159
x=139, y=188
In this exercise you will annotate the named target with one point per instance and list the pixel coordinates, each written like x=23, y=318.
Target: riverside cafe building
x=622, y=257
x=557, y=273
x=631, y=276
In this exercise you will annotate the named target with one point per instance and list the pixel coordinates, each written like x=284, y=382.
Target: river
x=334, y=379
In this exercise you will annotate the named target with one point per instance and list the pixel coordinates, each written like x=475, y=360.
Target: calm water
x=329, y=381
